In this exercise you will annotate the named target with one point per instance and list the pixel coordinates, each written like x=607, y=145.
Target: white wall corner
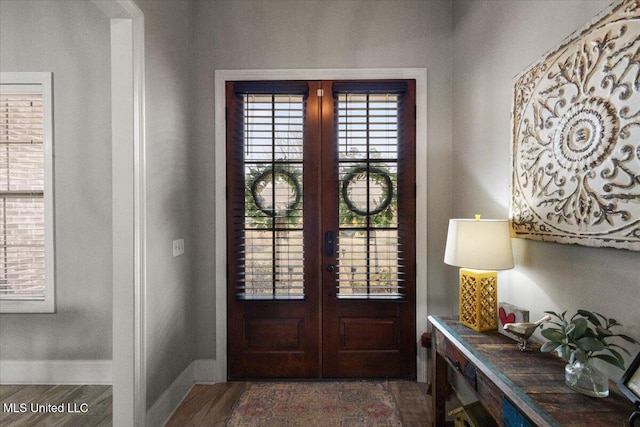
x=199, y=371
x=56, y=372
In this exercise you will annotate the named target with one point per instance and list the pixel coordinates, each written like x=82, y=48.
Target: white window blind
x=25, y=129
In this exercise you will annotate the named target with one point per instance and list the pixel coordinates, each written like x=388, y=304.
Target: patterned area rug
x=325, y=404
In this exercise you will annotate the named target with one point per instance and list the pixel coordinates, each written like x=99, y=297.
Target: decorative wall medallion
x=576, y=137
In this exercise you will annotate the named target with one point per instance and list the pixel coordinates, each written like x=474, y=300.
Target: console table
x=516, y=388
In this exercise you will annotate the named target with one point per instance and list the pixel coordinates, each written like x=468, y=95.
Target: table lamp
x=480, y=247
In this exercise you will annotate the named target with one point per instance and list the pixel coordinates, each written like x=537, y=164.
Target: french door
x=321, y=229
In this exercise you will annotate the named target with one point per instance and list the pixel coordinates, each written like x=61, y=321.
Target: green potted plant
x=585, y=336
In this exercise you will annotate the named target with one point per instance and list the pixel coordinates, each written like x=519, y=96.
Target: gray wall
x=70, y=39
x=493, y=42
x=169, y=108
x=319, y=34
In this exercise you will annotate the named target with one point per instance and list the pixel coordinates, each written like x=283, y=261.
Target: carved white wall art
x=576, y=138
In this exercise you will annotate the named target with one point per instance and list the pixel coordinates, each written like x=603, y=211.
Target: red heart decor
x=506, y=318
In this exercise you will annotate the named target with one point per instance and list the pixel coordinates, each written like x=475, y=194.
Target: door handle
x=331, y=268
x=329, y=243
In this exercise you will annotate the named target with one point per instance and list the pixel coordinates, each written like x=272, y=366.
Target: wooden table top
x=533, y=380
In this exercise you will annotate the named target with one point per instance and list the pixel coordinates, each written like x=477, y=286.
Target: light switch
x=178, y=247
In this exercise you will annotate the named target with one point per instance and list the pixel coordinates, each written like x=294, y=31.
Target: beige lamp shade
x=481, y=244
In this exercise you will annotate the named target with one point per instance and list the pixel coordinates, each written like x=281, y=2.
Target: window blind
x=374, y=176
x=371, y=255
x=22, y=224
x=268, y=236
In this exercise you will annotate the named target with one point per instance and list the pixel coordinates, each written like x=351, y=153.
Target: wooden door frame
x=221, y=77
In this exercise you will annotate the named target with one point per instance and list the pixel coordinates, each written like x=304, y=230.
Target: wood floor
x=205, y=405
x=210, y=405
x=55, y=405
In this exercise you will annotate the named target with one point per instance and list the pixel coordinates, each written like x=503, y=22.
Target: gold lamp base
x=479, y=299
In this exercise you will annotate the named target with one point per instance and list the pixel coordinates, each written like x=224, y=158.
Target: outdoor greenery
x=387, y=216
x=293, y=177
x=256, y=181
x=265, y=210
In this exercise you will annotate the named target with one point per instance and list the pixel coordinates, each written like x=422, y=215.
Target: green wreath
x=372, y=170
x=289, y=177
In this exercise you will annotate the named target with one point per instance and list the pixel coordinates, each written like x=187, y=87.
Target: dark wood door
x=321, y=225
x=368, y=299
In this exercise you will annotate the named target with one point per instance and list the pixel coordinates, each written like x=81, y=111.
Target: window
x=372, y=159
x=271, y=140
x=369, y=201
x=26, y=196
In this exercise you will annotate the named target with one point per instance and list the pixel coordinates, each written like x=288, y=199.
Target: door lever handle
x=329, y=243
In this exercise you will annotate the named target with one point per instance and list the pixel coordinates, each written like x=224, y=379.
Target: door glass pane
x=273, y=209
x=370, y=256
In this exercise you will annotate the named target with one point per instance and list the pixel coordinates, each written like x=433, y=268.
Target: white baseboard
x=168, y=402
x=200, y=371
x=56, y=372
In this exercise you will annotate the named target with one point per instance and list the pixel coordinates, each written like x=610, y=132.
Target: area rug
x=326, y=404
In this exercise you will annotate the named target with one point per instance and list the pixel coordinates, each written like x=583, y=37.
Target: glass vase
x=586, y=379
